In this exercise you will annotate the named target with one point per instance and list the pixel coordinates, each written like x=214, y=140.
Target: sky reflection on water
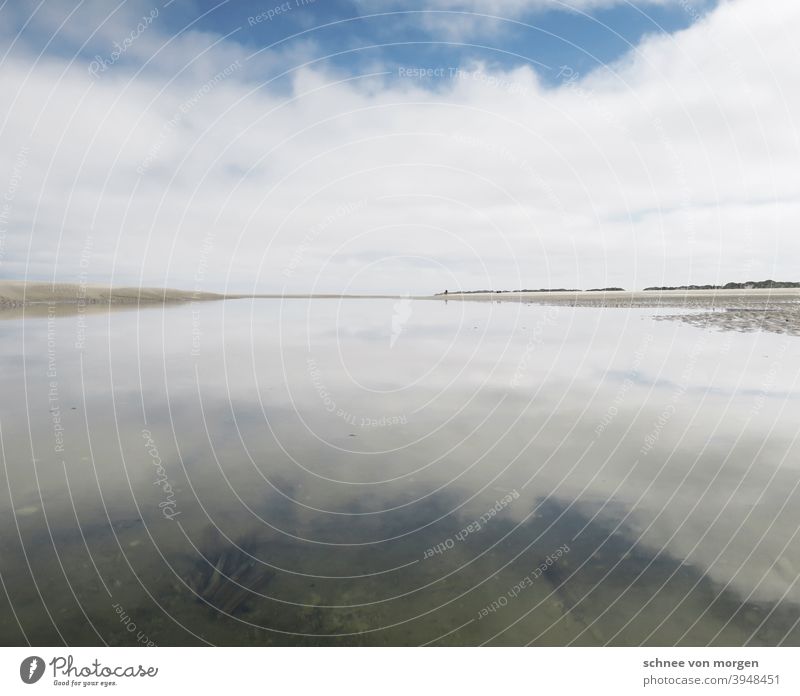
x=385, y=471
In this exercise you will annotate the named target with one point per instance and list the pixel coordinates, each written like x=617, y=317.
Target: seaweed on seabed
x=228, y=576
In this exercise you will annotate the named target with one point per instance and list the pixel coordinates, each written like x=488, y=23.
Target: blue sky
x=399, y=33
x=552, y=37
x=292, y=147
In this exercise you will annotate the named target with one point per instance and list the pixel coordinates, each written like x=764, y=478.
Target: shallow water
x=396, y=472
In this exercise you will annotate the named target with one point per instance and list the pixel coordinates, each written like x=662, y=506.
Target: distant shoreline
x=773, y=309
x=748, y=285
x=15, y=294
x=18, y=293
x=635, y=298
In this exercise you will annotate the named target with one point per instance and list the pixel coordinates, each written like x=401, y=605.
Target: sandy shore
x=781, y=319
x=18, y=293
x=651, y=298
x=15, y=293
x=772, y=311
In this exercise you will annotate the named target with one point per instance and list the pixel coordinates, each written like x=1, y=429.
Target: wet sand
x=774, y=311
x=15, y=293
x=637, y=298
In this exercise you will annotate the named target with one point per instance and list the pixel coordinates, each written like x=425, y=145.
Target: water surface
x=396, y=472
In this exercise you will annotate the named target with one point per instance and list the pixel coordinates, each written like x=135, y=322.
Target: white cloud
x=679, y=164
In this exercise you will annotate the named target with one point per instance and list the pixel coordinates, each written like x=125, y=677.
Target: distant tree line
x=749, y=285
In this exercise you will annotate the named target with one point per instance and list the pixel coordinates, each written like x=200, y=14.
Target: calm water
x=396, y=472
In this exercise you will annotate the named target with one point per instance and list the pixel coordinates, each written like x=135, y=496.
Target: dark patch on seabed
x=252, y=588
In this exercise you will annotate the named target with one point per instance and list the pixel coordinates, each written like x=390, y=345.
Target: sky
x=399, y=146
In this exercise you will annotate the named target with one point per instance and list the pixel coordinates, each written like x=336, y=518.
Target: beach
x=637, y=298
x=14, y=293
x=774, y=310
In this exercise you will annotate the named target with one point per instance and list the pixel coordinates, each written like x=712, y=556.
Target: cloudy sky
x=399, y=146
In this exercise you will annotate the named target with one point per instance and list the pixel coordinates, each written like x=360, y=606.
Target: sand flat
x=636, y=298
x=758, y=310
x=18, y=292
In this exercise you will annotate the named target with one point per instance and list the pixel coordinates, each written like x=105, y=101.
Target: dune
x=30, y=294
x=15, y=293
